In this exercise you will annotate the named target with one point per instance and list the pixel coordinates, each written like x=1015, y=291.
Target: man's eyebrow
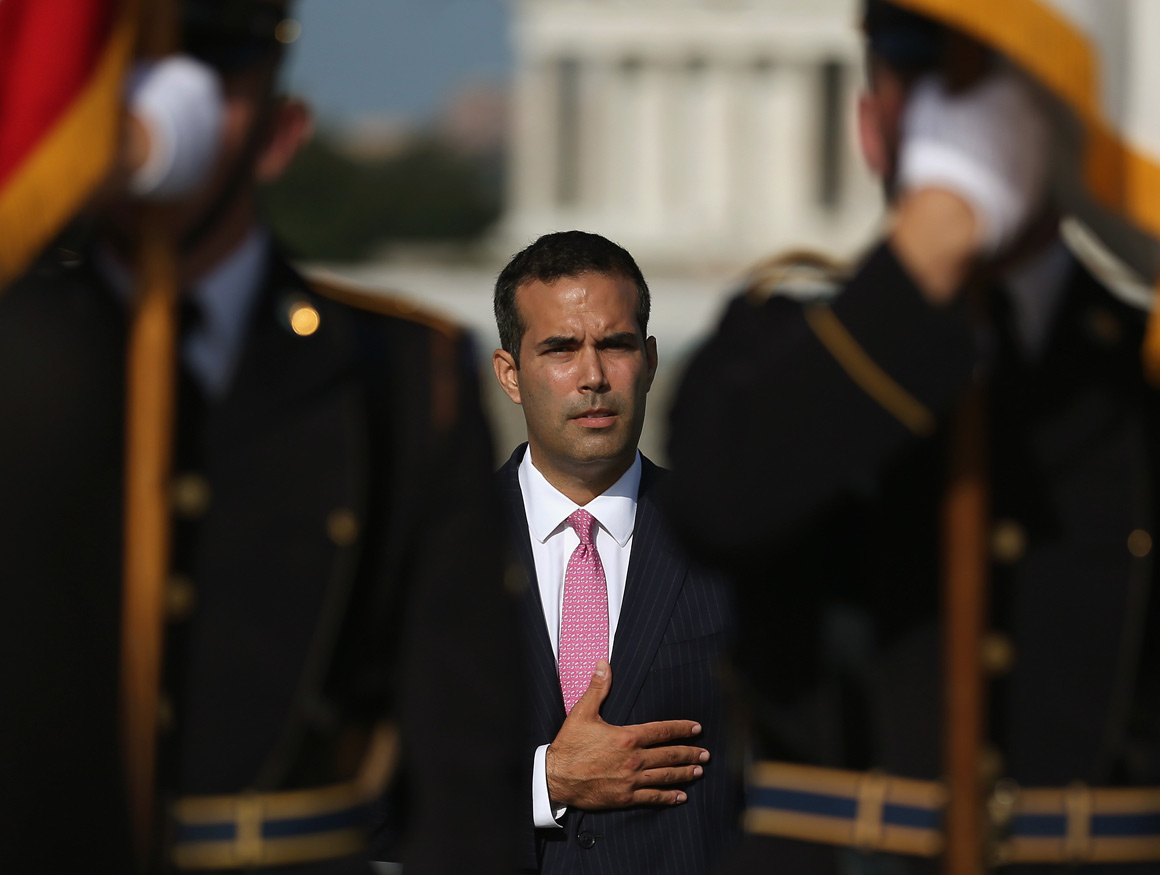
x=556, y=340
x=618, y=337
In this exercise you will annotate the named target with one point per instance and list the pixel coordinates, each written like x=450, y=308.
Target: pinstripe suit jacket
x=675, y=624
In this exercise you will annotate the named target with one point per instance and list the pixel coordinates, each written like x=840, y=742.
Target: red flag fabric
x=62, y=64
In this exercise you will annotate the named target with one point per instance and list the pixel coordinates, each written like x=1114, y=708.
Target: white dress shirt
x=553, y=542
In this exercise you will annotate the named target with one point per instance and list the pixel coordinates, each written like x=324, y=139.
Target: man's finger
x=665, y=730
x=677, y=755
x=652, y=796
x=589, y=704
x=660, y=777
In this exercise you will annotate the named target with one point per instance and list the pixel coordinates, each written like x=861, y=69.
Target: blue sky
x=395, y=57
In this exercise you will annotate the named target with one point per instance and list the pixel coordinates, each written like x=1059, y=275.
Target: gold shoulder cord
x=864, y=371
x=812, y=279
x=386, y=304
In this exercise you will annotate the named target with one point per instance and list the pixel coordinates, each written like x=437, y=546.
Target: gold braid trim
x=384, y=303
x=863, y=370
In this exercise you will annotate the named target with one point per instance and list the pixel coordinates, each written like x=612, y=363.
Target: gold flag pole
x=148, y=454
x=150, y=408
x=965, y=515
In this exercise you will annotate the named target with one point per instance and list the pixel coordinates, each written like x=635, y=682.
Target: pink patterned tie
x=584, y=616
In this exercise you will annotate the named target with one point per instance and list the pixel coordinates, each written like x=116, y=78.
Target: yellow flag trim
x=54, y=181
x=866, y=374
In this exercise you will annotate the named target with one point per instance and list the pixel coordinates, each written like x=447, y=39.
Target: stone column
x=794, y=154
x=620, y=152
x=717, y=146
x=652, y=147
x=535, y=145
x=758, y=137
x=603, y=156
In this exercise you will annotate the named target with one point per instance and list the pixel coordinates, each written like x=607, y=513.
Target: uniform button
x=991, y=765
x=287, y=31
x=304, y=318
x=1139, y=543
x=1008, y=541
x=191, y=495
x=180, y=598
x=342, y=527
x=586, y=840
x=997, y=654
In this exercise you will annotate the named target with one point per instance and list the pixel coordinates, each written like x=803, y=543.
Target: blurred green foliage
x=332, y=207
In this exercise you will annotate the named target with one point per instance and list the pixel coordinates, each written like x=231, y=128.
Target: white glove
x=989, y=144
x=180, y=103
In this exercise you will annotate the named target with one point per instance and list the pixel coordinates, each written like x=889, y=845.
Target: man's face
x=246, y=97
x=585, y=370
x=253, y=118
x=880, y=112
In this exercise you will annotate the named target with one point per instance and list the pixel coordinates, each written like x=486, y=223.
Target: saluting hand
x=592, y=764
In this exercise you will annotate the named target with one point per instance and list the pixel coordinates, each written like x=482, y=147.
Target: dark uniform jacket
x=676, y=623
x=337, y=560
x=824, y=492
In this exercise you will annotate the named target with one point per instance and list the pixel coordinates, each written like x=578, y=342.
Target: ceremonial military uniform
x=810, y=455
x=336, y=564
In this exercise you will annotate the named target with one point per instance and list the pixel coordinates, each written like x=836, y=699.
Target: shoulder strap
x=394, y=304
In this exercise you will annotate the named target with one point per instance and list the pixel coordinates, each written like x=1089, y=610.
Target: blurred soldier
x=335, y=556
x=810, y=446
x=621, y=774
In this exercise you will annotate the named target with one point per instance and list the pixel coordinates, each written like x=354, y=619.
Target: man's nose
x=591, y=373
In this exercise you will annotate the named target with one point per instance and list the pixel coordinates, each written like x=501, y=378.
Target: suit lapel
x=656, y=573
x=548, y=703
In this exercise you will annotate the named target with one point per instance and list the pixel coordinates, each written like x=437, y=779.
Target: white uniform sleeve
x=990, y=144
x=179, y=101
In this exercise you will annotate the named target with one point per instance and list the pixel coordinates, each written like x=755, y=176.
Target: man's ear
x=870, y=135
x=291, y=128
x=506, y=372
x=650, y=350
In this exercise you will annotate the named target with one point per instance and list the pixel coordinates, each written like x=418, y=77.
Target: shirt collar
x=1036, y=288
x=226, y=295
x=548, y=509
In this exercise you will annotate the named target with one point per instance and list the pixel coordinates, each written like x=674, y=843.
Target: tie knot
x=582, y=521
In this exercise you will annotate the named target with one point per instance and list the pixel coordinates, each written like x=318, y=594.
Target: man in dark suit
x=335, y=611
x=825, y=433
x=622, y=777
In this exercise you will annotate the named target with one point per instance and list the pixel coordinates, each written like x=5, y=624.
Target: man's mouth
x=597, y=417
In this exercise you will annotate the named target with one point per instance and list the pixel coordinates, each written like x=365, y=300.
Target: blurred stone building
x=695, y=132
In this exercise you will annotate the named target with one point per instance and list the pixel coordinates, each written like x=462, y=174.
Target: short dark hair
x=552, y=257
